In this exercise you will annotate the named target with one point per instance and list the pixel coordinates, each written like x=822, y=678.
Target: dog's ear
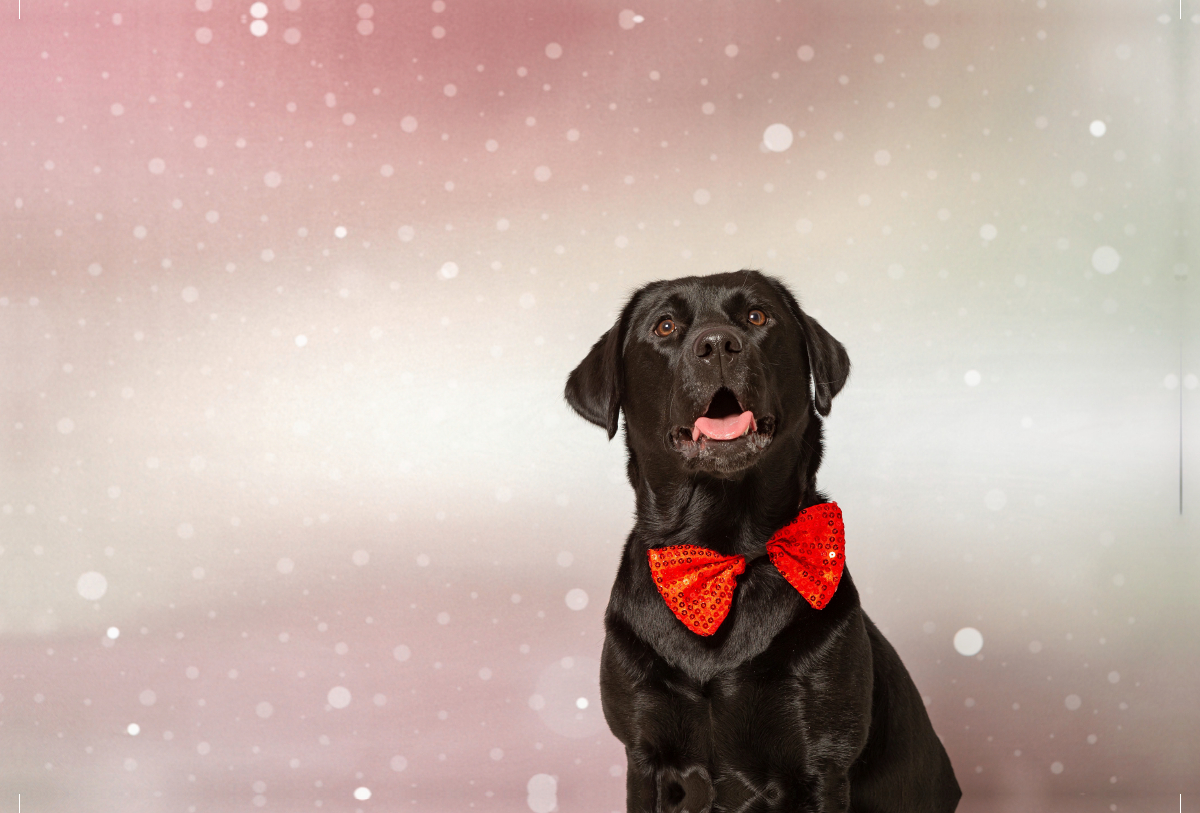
x=827, y=358
x=594, y=387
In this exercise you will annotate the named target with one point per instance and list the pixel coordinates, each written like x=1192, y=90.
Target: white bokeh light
x=778, y=137
x=542, y=793
x=1106, y=259
x=92, y=586
x=968, y=641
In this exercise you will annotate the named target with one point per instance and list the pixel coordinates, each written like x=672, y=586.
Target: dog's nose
x=717, y=341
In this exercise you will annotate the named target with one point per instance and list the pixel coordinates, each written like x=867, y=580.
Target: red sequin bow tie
x=698, y=583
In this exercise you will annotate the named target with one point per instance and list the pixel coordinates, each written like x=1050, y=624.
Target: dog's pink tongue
x=724, y=428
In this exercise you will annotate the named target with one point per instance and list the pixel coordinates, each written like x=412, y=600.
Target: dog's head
x=711, y=372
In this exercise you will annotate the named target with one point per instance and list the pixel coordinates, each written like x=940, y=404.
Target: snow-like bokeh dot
x=189, y=294
x=147, y=697
x=259, y=28
x=968, y=641
x=883, y=158
x=443, y=618
x=777, y=137
x=204, y=35
x=542, y=173
x=542, y=793
x=264, y=709
x=1114, y=677
x=806, y=53
x=157, y=166
x=406, y=233
x=92, y=586
x=133, y=729
x=995, y=499
x=554, y=50
x=117, y=109
x=557, y=693
x=1056, y=767
x=1073, y=702
x=362, y=794
x=576, y=598
x=112, y=633
x=934, y=101
x=408, y=124
x=628, y=18
x=258, y=10
x=65, y=426
x=291, y=36
x=701, y=196
x=988, y=232
x=95, y=269
x=398, y=763
x=931, y=41
x=339, y=697
x=1097, y=128
x=272, y=179
x=340, y=232
x=972, y=378
x=449, y=270
x=1105, y=259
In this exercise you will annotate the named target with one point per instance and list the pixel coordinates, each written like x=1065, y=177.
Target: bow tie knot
x=698, y=583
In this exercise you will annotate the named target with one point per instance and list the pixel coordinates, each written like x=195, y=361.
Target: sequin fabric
x=697, y=583
x=811, y=552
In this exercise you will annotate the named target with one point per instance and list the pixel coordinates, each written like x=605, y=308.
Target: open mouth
x=725, y=427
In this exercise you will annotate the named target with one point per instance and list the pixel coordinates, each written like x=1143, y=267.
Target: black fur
x=784, y=708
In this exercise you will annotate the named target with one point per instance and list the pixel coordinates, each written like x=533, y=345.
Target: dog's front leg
x=830, y=790
x=641, y=783
x=651, y=787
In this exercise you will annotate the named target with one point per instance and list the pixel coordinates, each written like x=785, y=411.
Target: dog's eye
x=756, y=317
x=665, y=328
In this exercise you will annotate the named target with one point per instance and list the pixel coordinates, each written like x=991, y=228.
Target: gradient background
x=285, y=321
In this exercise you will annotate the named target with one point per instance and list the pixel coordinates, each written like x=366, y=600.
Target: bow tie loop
x=698, y=583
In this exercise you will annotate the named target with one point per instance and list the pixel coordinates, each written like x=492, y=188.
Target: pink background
x=290, y=504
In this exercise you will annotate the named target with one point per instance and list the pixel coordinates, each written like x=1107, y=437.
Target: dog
x=755, y=682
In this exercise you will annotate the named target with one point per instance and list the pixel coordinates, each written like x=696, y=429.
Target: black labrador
x=779, y=705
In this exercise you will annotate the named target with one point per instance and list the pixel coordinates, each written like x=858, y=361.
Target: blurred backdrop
x=293, y=515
